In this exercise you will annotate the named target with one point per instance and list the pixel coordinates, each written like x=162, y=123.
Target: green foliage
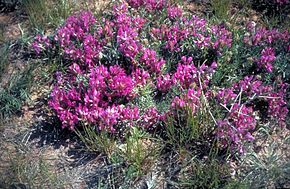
x=140, y=151
x=44, y=14
x=272, y=9
x=233, y=64
x=274, y=21
x=146, y=99
x=270, y=168
x=236, y=184
x=96, y=141
x=188, y=130
x=221, y=8
x=37, y=12
x=3, y=59
x=2, y=39
x=243, y=3
x=16, y=91
x=25, y=171
x=206, y=174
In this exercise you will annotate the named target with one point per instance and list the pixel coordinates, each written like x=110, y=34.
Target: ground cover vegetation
x=169, y=99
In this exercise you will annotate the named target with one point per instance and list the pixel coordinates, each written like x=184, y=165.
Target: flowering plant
x=111, y=60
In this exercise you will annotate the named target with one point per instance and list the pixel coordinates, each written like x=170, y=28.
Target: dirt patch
x=12, y=25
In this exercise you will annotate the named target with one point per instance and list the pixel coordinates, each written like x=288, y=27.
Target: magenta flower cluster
x=262, y=36
x=93, y=98
x=102, y=91
x=282, y=2
x=240, y=120
x=270, y=42
x=266, y=59
x=236, y=128
x=149, y=5
x=41, y=43
x=174, y=12
x=195, y=29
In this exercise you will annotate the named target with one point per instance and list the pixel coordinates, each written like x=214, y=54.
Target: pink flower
x=140, y=77
x=282, y=2
x=151, y=61
x=267, y=58
x=174, y=12
x=190, y=100
x=236, y=128
x=164, y=83
x=150, y=117
x=277, y=108
x=185, y=75
x=75, y=68
x=131, y=114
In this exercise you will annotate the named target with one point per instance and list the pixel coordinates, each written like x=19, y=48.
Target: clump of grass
x=132, y=157
x=268, y=168
x=43, y=14
x=221, y=8
x=23, y=170
x=183, y=130
x=2, y=26
x=187, y=131
x=242, y=3
x=3, y=58
x=208, y=174
x=16, y=91
x=37, y=12
x=140, y=151
x=276, y=21
x=61, y=9
x=94, y=141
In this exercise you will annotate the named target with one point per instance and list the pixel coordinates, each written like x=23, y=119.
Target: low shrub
x=151, y=50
